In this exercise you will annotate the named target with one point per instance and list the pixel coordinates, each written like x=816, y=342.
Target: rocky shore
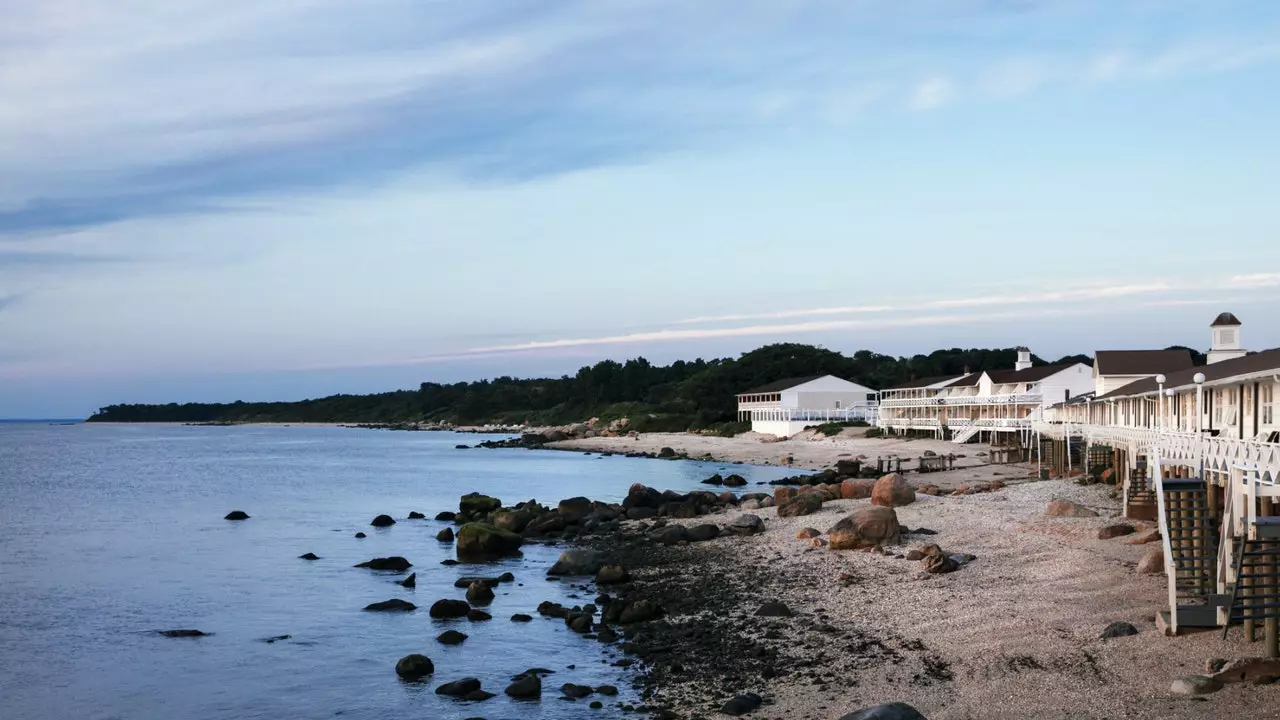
x=822, y=600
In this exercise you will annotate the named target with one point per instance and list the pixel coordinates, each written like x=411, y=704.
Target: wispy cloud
x=117, y=111
x=932, y=93
x=1256, y=280
x=1036, y=298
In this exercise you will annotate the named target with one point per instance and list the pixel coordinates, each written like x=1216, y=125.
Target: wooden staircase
x=1140, y=498
x=1255, y=595
x=1189, y=532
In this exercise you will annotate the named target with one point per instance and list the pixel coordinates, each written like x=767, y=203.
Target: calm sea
x=111, y=532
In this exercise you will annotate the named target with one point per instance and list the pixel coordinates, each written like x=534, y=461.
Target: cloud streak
x=114, y=112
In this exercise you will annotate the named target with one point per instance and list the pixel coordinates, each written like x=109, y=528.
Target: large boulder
x=414, y=667
x=642, y=496
x=672, y=535
x=851, y=489
x=612, y=574
x=1065, y=508
x=383, y=521
x=512, y=520
x=577, y=562
x=892, y=491
x=575, y=509
x=744, y=524
x=476, y=504
x=735, y=481
x=459, y=688
x=394, y=563
x=887, y=711
x=445, y=535
x=481, y=540
x=1152, y=563
x=703, y=532
x=866, y=527
x=803, y=504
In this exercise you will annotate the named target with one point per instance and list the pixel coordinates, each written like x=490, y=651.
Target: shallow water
x=109, y=533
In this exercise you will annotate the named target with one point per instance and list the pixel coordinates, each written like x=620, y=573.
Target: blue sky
x=219, y=200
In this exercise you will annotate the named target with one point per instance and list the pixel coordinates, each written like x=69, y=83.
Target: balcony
x=966, y=400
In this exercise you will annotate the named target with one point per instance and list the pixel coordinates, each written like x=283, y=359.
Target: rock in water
x=309, y=556
x=521, y=617
x=459, y=688
x=394, y=563
x=528, y=687
x=383, y=521
x=887, y=711
x=360, y=536
x=449, y=609
x=477, y=504
x=513, y=520
x=1118, y=629
x=866, y=527
x=577, y=562
x=479, y=593
x=411, y=581
x=445, y=535
x=475, y=615
x=666, y=453
x=1195, y=685
x=392, y=605
x=576, y=692
x=451, y=637
x=1065, y=508
x=1152, y=563
x=735, y=481
x=803, y=504
x=236, y=515
x=482, y=541
x=446, y=516
x=183, y=633
x=892, y=491
x=414, y=667
x=742, y=704
x=575, y=509
x=415, y=515
x=774, y=608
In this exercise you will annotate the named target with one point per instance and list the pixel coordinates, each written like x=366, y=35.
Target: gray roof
x=1141, y=362
x=1260, y=362
x=1004, y=377
x=926, y=382
x=780, y=385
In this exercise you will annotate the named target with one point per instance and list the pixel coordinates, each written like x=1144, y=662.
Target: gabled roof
x=1267, y=361
x=780, y=385
x=1007, y=377
x=1225, y=319
x=1141, y=362
x=943, y=380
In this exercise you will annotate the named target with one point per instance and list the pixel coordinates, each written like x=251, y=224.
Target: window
x=1266, y=398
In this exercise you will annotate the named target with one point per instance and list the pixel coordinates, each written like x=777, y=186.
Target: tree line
x=679, y=396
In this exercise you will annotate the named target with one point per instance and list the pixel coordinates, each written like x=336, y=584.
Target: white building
x=786, y=407
x=994, y=401
x=1113, y=369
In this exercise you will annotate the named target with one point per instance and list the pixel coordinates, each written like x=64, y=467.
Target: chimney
x=1024, y=359
x=966, y=369
x=1226, y=339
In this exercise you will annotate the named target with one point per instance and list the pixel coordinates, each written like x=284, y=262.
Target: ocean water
x=109, y=533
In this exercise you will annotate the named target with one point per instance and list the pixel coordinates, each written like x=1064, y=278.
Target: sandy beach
x=1012, y=634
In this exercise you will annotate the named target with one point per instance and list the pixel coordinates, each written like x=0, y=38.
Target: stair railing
x=1170, y=570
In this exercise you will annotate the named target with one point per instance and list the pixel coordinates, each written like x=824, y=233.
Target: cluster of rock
x=592, y=428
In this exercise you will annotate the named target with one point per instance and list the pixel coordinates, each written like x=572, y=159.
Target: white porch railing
x=866, y=412
x=966, y=400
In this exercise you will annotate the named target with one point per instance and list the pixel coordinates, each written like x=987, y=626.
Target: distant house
x=786, y=407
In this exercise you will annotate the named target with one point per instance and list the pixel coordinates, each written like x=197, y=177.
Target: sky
x=210, y=201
